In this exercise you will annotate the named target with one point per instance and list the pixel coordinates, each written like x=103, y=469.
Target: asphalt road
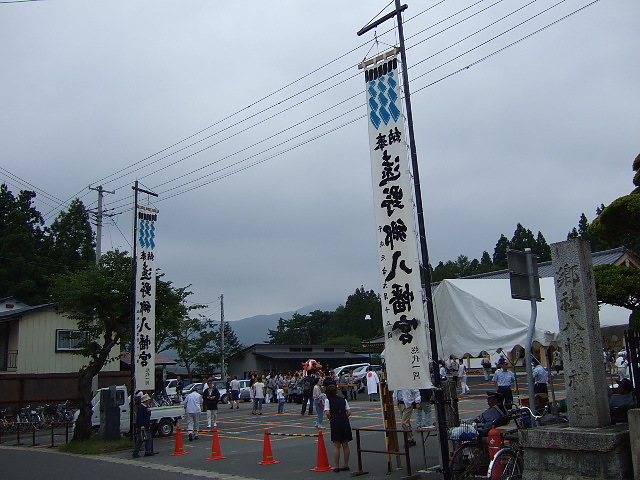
x=241, y=437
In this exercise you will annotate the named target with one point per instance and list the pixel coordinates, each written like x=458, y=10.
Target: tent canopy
x=476, y=315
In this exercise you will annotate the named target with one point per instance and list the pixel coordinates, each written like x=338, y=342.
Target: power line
x=237, y=164
x=433, y=83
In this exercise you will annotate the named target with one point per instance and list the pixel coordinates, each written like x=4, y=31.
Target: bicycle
x=472, y=459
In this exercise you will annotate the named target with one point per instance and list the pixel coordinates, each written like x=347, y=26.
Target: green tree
x=208, y=350
x=619, y=222
x=542, y=249
x=445, y=270
x=73, y=241
x=189, y=341
x=24, y=246
x=300, y=329
x=486, y=264
x=522, y=238
x=173, y=311
x=620, y=285
x=98, y=298
x=349, y=320
x=500, y=253
x=584, y=232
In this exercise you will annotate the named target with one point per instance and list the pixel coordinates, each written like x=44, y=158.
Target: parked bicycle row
x=38, y=416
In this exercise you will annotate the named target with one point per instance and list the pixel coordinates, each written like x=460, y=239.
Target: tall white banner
x=405, y=328
x=145, y=312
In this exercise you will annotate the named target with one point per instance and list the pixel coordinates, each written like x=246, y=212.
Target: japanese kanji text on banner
x=145, y=311
x=405, y=331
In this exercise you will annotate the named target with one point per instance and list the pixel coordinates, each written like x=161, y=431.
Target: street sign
x=519, y=275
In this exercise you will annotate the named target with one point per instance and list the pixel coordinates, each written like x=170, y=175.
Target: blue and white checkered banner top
x=147, y=234
x=382, y=95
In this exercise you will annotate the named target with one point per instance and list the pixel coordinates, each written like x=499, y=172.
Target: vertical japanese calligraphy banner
x=145, y=309
x=407, y=353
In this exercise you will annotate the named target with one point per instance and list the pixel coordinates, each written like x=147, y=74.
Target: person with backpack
x=308, y=383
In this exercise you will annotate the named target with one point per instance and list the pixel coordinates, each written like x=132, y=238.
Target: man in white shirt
x=235, y=392
x=193, y=406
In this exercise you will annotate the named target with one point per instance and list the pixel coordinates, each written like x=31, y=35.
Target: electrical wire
x=236, y=164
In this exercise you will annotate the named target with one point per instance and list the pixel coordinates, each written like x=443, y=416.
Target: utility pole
x=223, y=368
x=99, y=215
x=425, y=273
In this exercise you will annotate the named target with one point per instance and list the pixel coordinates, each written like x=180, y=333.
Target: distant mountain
x=256, y=329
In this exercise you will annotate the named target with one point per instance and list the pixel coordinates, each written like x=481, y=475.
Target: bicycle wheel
x=469, y=461
x=506, y=465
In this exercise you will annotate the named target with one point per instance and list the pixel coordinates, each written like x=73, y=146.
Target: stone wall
x=571, y=453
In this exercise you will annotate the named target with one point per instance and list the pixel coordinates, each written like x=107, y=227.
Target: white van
x=338, y=371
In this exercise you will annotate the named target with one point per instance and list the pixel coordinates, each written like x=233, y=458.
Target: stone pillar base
x=562, y=452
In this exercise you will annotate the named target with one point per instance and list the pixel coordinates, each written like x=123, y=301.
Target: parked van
x=340, y=370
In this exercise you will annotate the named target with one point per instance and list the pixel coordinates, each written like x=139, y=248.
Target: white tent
x=475, y=315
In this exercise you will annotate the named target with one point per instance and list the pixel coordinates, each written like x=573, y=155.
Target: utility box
x=110, y=401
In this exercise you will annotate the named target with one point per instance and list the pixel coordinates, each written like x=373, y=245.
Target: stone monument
x=580, y=336
x=587, y=447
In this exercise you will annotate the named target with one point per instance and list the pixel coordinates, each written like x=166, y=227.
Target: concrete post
x=580, y=337
x=634, y=437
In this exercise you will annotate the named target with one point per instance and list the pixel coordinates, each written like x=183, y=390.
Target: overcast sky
x=247, y=118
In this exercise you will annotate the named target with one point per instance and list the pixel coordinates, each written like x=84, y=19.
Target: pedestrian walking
x=235, y=392
x=462, y=375
x=193, y=406
x=258, y=396
x=318, y=402
x=281, y=399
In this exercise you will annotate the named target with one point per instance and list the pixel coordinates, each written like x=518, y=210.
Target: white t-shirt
x=258, y=390
x=327, y=408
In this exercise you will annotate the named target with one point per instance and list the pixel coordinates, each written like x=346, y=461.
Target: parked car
x=191, y=387
x=245, y=390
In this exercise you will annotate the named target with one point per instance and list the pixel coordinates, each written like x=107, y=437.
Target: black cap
x=496, y=395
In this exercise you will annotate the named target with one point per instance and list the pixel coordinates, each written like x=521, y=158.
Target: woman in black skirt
x=337, y=410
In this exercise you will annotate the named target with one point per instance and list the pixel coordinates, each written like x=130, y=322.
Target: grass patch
x=96, y=446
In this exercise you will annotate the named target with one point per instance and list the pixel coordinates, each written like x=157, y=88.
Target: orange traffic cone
x=216, y=452
x=323, y=460
x=267, y=455
x=179, y=445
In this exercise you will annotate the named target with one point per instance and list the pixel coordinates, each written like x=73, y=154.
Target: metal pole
x=532, y=326
x=133, y=311
x=426, y=274
x=223, y=369
x=99, y=226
